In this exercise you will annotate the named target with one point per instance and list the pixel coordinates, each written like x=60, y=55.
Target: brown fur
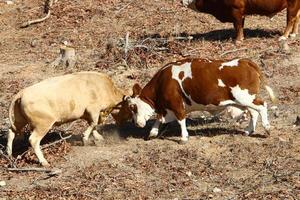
x=235, y=11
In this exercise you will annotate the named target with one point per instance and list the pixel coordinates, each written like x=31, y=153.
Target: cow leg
x=155, y=129
x=296, y=25
x=184, y=132
x=238, y=25
x=291, y=19
x=93, y=118
x=35, y=138
x=10, y=139
x=251, y=127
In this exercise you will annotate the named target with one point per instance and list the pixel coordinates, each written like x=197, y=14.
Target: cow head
x=139, y=109
x=127, y=108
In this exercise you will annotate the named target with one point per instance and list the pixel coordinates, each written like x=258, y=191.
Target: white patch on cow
x=221, y=83
x=186, y=69
x=226, y=102
x=233, y=63
x=242, y=96
x=245, y=99
x=144, y=111
x=184, y=132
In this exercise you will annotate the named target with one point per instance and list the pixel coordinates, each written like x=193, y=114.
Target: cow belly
x=265, y=7
x=213, y=109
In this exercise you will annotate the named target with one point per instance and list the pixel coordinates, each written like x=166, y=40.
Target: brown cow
x=199, y=84
x=86, y=95
x=236, y=10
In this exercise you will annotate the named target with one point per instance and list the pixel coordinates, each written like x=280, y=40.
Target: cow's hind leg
x=291, y=21
x=253, y=120
x=92, y=118
x=35, y=139
x=296, y=25
x=10, y=139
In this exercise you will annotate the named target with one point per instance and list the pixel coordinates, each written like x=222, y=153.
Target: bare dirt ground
x=217, y=163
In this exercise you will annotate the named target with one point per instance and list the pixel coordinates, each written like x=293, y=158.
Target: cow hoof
x=45, y=164
x=183, y=141
x=248, y=133
x=282, y=38
x=293, y=35
x=86, y=142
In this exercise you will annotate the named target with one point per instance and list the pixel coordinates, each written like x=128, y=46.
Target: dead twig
x=232, y=51
x=48, y=6
x=11, y=163
x=58, y=141
x=50, y=172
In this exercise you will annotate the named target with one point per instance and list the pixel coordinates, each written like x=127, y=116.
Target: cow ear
x=136, y=89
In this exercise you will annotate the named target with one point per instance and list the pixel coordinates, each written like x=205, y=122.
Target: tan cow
x=62, y=99
x=200, y=84
x=236, y=10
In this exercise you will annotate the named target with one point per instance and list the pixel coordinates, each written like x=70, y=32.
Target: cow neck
x=148, y=97
x=148, y=101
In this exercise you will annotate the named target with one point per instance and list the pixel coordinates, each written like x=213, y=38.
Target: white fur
x=233, y=63
x=184, y=132
x=242, y=96
x=221, y=83
x=186, y=69
x=144, y=111
x=187, y=2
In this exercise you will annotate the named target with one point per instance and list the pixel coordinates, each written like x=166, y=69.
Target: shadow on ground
x=224, y=34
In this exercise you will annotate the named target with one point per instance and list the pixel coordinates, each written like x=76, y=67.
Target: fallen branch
x=51, y=172
x=232, y=51
x=58, y=141
x=48, y=5
x=11, y=163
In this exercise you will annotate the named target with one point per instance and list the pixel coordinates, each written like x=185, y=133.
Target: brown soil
x=217, y=163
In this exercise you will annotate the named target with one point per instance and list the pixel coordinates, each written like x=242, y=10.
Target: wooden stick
x=48, y=6
x=58, y=141
x=232, y=51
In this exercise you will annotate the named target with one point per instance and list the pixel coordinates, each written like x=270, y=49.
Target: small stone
x=188, y=173
x=297, y=122
x=9, y=2
x=217, y=190
x=2, y=183
x=274, y=108
x=210, y=196
x=276, y=114
x=33, y=43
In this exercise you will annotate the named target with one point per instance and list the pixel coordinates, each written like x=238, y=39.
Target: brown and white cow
x=86, y=95
x=200, y=84
x=236, y=10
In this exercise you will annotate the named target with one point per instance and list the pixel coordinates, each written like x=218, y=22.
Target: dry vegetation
x=130, y=40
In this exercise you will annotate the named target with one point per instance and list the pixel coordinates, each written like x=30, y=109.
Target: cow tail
x=271, y=94
x=11, y=112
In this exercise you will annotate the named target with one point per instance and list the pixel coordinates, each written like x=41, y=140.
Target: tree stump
x=66, y=58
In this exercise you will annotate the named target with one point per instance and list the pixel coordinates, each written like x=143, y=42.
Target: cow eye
x=133, y=108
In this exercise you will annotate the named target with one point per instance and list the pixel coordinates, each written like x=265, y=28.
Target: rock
x=33, y=43
x=217, y=190
x=297, y=122
x=9, y=2
x=2, y=183
x=188, y=173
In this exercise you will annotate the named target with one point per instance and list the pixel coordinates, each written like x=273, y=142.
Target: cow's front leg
x=184, y=133
x=155, y=129
x=239, y=26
